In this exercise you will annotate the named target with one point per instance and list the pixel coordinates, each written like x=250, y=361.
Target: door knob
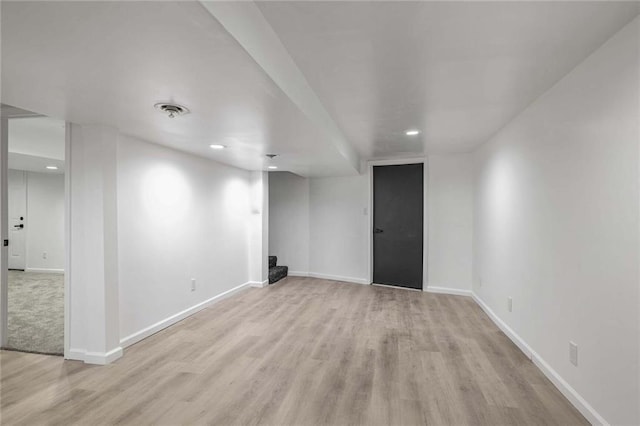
x=377, y=231
x=19, y=226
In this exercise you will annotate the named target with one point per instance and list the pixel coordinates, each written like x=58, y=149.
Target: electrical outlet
x=573, y=353
x=510, y=304
x=44, y=255
x=193, y=284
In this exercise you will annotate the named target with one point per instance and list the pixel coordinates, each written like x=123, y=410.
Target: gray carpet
x=36, y=312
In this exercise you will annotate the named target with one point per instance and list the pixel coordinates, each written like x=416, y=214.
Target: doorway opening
x=36, y=202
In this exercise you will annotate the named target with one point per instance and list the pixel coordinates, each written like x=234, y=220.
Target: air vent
x=172, y=110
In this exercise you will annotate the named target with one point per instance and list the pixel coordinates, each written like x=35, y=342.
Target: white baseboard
x=258, y=284
x=570, y=393
x=339, y=278
x=75, y=354
x=448, y=290
x=98, y=358
x=45, y=270
x=160, y=325
x=328, y=277
x=520, y=343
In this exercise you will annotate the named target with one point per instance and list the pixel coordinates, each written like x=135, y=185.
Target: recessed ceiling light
x=217, y=146
x=52, y=167
x=273, y=167
x=412, y=132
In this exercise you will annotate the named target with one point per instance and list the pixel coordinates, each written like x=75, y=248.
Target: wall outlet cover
x=573, y=353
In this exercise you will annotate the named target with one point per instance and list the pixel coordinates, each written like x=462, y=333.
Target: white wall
x=45, y=221
x=92, y=333
x=289, y=220
x=557, y=227
x=450, y=213
x=179, y=217
x=332, y=212
x=338, y=228
x=318, y=226
x=259, y=230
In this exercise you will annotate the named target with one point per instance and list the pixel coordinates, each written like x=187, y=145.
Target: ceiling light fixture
x=172, y=110
x=52, y=167
x=412, y=132
x=217, y=146
x=273, y=167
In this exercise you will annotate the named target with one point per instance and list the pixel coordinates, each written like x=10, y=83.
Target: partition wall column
x=94, y=304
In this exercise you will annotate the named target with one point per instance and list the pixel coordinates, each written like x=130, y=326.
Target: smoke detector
x=172, y=110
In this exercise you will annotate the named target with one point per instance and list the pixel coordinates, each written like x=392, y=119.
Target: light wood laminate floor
x=304, y=352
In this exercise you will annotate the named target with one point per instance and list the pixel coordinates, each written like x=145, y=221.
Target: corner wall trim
x=160, y=325
x=570, y=393
x=339, y=278
x=448, y=290
x=258, y=284
x=98, y=358
x=45, y=270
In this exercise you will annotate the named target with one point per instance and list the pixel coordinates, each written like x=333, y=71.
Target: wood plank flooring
x=302, y=352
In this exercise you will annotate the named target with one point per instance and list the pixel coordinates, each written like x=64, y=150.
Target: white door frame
x=4, y=289
x=4, y=222
x=425, y=223
x=67, y=239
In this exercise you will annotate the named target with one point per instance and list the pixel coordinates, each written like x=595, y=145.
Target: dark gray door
x=398, y=212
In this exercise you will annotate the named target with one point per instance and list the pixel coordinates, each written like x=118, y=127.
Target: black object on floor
x=276, y=273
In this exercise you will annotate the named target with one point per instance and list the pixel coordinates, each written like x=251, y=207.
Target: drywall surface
x=450, y=216
x=45, y=221
x=339, y=227
x=92, y=334
x=556, y=227
x=259, y=229
x=320, y=226
x=289, y=220
x=180, y=217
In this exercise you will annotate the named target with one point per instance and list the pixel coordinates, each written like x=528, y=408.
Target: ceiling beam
x=245, y=22
x=8, y=111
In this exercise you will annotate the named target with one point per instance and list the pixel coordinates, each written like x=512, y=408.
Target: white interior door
x=17, y=206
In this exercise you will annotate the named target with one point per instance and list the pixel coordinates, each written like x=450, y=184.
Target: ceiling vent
x=172, y=110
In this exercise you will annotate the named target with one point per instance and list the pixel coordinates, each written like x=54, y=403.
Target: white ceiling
x=458, y=71
x=35, y=143
x=39, y=137
x=33, y=163
x=109, y=62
